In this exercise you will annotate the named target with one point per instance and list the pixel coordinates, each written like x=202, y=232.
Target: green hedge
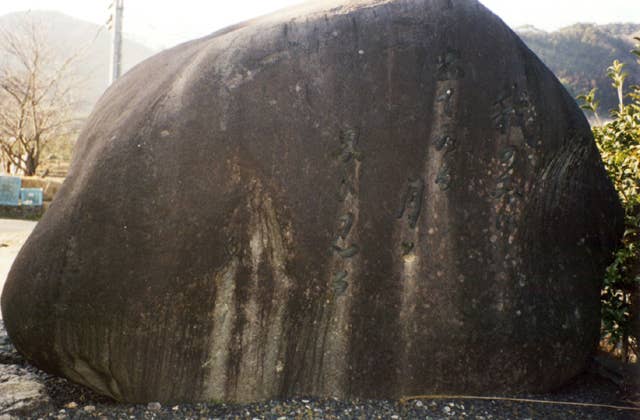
x=619, y=143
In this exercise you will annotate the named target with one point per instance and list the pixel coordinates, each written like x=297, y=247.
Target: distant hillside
x=67, y=35
x=580, y=54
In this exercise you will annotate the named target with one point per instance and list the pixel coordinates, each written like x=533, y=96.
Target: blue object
x=31, y=196
x=10, y=190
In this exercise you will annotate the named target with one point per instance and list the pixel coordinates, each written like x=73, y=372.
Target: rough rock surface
x=353, y=199
x=21, y=391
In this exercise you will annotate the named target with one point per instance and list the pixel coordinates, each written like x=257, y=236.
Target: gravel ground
x=70, y=401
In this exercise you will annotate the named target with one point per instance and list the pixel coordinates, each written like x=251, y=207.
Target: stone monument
x=370, y=198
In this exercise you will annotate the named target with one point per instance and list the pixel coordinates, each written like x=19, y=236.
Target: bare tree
x=36, y=95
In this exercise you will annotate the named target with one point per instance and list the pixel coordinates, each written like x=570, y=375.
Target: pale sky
x=165, y=23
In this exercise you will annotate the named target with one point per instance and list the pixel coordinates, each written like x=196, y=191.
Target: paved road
x=13, y=233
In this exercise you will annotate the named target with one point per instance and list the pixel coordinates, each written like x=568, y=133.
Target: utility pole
x=116, y=46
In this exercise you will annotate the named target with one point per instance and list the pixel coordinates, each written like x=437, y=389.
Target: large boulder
x=359, y=199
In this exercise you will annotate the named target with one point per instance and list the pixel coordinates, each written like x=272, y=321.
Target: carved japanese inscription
x=349, y=158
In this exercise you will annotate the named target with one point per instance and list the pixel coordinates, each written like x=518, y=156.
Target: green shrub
x=619, y=143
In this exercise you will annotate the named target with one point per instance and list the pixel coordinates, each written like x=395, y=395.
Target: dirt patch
x=13, y=234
